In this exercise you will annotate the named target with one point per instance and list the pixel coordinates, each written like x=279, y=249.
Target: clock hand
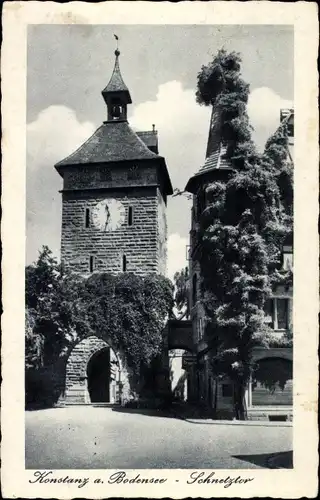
x=107, y=216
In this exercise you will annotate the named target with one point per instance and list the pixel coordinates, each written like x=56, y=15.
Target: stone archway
x=99, y=377
x=84, y=355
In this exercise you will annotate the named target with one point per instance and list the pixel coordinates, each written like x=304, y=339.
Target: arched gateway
x=95, y=374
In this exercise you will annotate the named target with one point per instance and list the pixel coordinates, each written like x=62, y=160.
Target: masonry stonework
x=139, y=242
x=115, y=188
x=76, y=383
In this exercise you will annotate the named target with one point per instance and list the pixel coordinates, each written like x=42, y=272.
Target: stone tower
x=114, y=195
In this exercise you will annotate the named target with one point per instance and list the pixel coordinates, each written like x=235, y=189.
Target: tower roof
x=216, y=160
x=114, y=142
x=111, y=142
x=116, y=83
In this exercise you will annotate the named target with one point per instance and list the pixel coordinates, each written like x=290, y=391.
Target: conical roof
x=116, y=83
x=216, y=159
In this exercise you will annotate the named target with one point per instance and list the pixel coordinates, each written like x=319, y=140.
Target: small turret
x=116, y=94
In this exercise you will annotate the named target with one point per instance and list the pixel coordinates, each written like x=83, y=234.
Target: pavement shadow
x=170, y=412
x=146, y=411
x=281, y=460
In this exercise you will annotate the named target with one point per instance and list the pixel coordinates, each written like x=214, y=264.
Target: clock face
x=108, y=215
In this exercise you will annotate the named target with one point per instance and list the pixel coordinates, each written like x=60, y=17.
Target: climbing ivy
x=242, y=229
x=127, y=310
x=272, y=373
x=130, y=311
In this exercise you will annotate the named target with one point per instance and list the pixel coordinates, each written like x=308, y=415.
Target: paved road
x=102, y=438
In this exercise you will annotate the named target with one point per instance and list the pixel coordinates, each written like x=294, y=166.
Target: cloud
x=183, y=133
x=51, y=137
x=182, y=126
x=264, y=112
x=55, y=134
x=177, y=253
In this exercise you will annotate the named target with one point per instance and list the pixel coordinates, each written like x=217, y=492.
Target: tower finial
x=117, y=51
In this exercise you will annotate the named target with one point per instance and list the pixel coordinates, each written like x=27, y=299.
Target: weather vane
x=117, y=38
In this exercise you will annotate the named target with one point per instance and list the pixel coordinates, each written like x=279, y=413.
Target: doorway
x=98, y=373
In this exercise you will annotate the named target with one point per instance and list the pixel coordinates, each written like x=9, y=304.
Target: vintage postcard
x=160, y=250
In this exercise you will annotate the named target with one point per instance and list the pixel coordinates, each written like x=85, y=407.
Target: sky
x=69, y=65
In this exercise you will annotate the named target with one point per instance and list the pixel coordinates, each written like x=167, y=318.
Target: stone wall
x=138, y=242
x=76, y=383
x=162, y=233
x=109, y=176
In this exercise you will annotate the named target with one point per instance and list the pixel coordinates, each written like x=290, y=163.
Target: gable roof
x=150, y=138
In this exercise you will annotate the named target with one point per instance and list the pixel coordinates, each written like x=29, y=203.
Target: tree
x=53, y=306
x=62, y=308
x=242, y=229
x=55, y=320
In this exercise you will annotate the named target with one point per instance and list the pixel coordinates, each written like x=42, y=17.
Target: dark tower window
x=130, y=216
x=87, y=217
x=124, y=263
x=91, y=263
x=116, y=109
x=133, y=173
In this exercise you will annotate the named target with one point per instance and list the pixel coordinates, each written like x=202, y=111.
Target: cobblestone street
x=102, y=438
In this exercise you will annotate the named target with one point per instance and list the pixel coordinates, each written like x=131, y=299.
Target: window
x=124, y=263
x=287, y=257
x=282, y=313
x=200, y=328
x=87, y=217
x=91, y=263
x=194, y=289
x=133, y=173
x=227, y=391
x=201, y=202
x=116, y=109
x=277, y=313
x=105, y=175
x=287, y=261
x=130, y=216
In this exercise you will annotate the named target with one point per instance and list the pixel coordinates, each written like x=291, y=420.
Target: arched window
x=116, y=109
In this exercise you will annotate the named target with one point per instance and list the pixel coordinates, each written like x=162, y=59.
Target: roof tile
x=112, y=142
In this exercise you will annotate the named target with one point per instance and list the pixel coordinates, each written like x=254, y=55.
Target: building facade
x=203, y=387
x=114, y=199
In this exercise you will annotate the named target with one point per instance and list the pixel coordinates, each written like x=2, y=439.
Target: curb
x=207, y=421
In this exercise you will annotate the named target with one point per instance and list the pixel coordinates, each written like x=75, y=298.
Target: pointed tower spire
x=116, y=94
